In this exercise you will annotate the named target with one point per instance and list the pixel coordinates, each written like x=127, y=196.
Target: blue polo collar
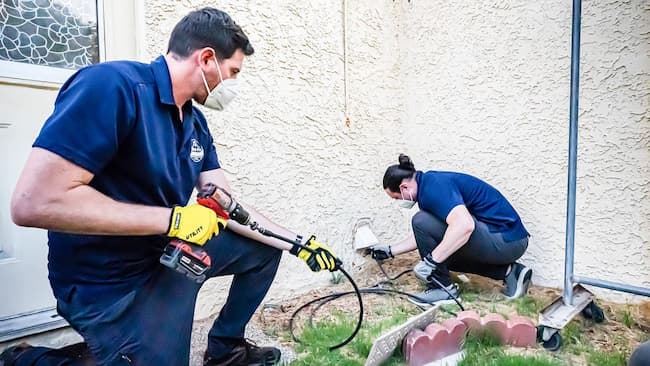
x=418, y=180
x=163, y=80
x=418, y=176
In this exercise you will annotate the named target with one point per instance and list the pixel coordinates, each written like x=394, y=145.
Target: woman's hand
x=381, y=252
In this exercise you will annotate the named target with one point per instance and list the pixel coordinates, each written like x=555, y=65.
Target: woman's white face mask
x=404, y=203
x=219, y=97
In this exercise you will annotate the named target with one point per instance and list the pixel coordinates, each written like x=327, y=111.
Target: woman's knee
x=423, y=221
x=428, y=232
x=512, y=251
x=420, y=220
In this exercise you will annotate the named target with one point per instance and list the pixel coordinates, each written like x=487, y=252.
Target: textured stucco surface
x=478, y=87
x=284, y=143
x=487, y=92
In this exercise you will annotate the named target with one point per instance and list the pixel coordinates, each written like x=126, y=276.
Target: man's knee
x=263, y=252
x=640, y=356
x=274, y=255
x=230, y=245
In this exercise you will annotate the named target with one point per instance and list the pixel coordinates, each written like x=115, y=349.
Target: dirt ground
x=626, y=325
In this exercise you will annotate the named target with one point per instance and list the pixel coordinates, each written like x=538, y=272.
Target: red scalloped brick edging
x=439, y=340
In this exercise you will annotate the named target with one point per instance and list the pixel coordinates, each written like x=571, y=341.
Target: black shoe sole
x=271, y=360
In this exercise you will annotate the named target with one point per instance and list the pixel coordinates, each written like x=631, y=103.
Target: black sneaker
x=77, y=353
x=246, y=354
x=9, y=356
x=517, y=281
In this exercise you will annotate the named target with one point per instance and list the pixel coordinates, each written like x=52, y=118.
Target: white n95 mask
x=404, y=203
x=219, y=97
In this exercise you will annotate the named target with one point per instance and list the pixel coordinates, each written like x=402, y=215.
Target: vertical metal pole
x=567, y=294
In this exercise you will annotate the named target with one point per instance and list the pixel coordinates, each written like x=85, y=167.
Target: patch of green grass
x=468, y=288
x=573, y=339
x=448, y=311
x=480, y=341
x=469, y=297
x=485, y=350
x=513, y=360
x=316, y=339
x=572, y=333
x=369, y=332
x=606, y=359
x=527, y=306
x=337, y=278
x=626, y=317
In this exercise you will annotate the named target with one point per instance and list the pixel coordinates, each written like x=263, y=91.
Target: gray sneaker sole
x=523, y=283
x=428, y=305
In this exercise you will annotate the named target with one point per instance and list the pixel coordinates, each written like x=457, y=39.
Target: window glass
x=56, y=33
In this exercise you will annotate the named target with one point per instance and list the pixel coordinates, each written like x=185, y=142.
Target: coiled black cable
x=376, y=289
x=329, y=298
x=256, y=227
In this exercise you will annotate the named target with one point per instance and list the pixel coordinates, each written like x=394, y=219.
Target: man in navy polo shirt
x=110, y=176
x=464, y=224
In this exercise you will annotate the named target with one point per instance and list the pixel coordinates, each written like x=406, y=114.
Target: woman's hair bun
x=406, y=163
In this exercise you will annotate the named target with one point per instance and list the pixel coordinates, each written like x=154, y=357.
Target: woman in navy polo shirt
x=464, y=224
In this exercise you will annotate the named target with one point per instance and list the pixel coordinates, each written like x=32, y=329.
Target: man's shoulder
x=126, y=72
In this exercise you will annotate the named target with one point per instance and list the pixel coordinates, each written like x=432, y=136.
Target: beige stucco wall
x=479, y=87
x=284, y=143
x=487, y=92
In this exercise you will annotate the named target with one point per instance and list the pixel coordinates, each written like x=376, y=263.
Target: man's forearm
x=267, y=224
x=84, y=210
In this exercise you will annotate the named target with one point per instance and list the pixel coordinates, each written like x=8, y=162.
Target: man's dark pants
x=641, y=355
x=485, y=253
x=152, y=325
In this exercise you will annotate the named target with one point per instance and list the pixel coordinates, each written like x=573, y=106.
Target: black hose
x=328, y=298
x=255, y=227
x=389, y=278
x=376, y=290
x=433, y=278
x=335, y=296
x=360, y=321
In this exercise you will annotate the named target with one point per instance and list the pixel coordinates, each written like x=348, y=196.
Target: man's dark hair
x=208, y=27
x=395, y=174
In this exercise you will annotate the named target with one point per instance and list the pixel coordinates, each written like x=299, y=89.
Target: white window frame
x=24, y=72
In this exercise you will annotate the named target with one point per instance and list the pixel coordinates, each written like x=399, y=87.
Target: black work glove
x=380, y=252
x=439, y=273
